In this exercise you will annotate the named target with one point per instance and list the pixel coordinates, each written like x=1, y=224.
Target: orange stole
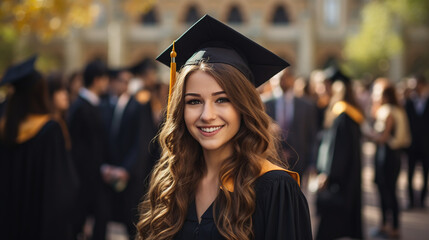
x=31, y=126
x=267, y=166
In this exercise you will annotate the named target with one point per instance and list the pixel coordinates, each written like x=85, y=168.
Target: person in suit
x=88, y=134
x=297, y=119
x=417, y=108
x=123, y=168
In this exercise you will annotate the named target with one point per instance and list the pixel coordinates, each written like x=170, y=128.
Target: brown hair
x=176, y=175
x=389, y=95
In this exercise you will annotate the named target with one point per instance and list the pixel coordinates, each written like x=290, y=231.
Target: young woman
x=391, y=135
x=59, y=102
x=37, y=178
x=219, y=176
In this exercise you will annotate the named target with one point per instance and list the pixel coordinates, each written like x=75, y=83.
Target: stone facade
x=306, y=33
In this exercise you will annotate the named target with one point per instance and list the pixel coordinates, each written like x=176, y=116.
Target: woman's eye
x=222, y=100
x=193, y=102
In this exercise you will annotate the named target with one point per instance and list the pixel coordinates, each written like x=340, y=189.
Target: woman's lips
x=210, y=130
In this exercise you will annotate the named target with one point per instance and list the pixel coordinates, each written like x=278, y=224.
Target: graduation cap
x=214, y=42
x=211, y=41
x=334, y=73
x=142, y=66
x=21, y=74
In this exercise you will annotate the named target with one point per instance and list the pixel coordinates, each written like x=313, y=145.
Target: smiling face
x=209, y=115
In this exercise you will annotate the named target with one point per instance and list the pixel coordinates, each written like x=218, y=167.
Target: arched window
x=150, y=18
x=332, y=13
x=234, y=15
x=280, y=16
x=192, y=15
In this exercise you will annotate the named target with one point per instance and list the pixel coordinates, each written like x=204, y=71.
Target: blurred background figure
x=58, y=94
x=153, y=96
x=301, y=88
x=417, y=107
x=75, y=83
x=59, y=102
x=297, y=119
x=391, y=134
x=122, y=172
x=37, y=177
x=89, y=135
x=339, y=195
x=319, y=94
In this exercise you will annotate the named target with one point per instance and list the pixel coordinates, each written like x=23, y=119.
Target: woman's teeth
x=211, y=129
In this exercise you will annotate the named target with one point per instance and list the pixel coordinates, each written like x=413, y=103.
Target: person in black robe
x=38, y=179
x=339, y=196
x=220, y=175
x=153, y=98
x=417, y=108
x=88, y=132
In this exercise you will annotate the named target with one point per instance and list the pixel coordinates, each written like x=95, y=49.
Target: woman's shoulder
x=276, y=176
x=275, y=180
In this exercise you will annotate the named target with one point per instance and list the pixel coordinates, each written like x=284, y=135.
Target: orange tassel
x=173, y=55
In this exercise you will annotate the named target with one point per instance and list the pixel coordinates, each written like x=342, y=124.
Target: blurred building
x=306, y=33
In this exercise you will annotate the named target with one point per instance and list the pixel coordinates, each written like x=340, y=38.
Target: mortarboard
x=142, y=66
x=334, y=73
x=21, y=74
x=211, y=41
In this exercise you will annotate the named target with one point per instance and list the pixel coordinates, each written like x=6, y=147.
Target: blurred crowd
x=325, y=118
x=110, y=119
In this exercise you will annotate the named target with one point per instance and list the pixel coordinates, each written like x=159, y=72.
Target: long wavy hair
x=181, y=166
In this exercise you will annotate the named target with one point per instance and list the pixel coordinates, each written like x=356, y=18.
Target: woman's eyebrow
x=199, y=95
x=218, y=93
x=192, y=94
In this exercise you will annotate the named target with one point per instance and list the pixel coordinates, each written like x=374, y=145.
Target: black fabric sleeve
x=281, y=208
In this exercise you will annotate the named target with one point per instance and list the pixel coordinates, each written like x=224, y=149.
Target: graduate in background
x=37, y=178
x=88, y=132
x=219, y=176
x=339, y=164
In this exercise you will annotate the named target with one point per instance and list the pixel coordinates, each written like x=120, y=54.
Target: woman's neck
x=214, y=160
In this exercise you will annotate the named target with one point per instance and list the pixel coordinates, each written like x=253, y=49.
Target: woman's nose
x=208, y=113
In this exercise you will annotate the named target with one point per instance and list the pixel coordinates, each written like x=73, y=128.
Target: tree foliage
x=380, y=35
x=47, y=19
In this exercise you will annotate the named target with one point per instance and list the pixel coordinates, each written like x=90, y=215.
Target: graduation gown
x=339, y=206
x=89, y=138
x=38, y=185
x=281, y=212
x=89, y=143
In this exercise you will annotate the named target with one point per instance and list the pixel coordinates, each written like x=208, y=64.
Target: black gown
x=39, y=185
x=339, y=206
x=281, y=212
x=89, y=139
